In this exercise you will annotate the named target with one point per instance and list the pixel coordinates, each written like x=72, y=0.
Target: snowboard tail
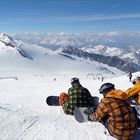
x=79, y=114
x=52, y=100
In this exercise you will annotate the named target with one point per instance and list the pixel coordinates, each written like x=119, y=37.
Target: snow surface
x=25, y=85
x=24, y=114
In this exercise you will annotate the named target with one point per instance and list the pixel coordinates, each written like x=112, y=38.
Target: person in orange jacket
x=115, y=113
x=134, y=92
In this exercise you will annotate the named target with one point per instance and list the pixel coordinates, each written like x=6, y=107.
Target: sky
x=72, y=16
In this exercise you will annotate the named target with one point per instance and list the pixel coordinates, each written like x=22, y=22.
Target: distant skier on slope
x=130, y=76
x=115, y=113
x=77, y=96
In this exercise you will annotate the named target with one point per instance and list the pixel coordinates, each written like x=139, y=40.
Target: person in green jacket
x=77, y=96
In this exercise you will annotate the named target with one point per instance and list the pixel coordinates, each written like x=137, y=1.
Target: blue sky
x=72, y=16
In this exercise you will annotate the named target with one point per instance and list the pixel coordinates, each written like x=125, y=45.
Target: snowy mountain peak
x=113, y=61
x=74, y=53
x=104, y=50
x=10, y=42
x=7, y=40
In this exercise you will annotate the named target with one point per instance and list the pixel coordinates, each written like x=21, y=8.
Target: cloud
x=111, y=8
x=126, y=16
x=89, y=18
x=63, y=19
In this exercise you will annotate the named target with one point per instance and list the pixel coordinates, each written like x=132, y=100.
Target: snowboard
x=81, y=115
x=52, y=100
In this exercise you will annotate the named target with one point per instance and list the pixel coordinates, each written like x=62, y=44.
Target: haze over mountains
x=65, y=53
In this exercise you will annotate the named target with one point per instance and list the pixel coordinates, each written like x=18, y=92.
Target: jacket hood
x=117, y=94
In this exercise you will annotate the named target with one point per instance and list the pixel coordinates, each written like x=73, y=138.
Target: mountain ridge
x=45, y=57
x=113, y=61
x=9, y=41
x=123, y=45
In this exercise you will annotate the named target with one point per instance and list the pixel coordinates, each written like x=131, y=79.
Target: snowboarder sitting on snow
x=77, y=96
x=115, y=113
x=134, y=92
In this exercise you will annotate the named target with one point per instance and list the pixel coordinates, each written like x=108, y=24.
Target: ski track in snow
x=18, y=123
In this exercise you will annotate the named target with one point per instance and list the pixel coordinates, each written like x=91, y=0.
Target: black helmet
x=74, y=80
x=106, y=87
x=135, y=80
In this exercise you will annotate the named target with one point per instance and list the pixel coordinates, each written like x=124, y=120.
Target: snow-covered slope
x=15, y=44
x=25, y=115
x=119, y=47
x=36, y=58
x=123, y=45
x=25, y=82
